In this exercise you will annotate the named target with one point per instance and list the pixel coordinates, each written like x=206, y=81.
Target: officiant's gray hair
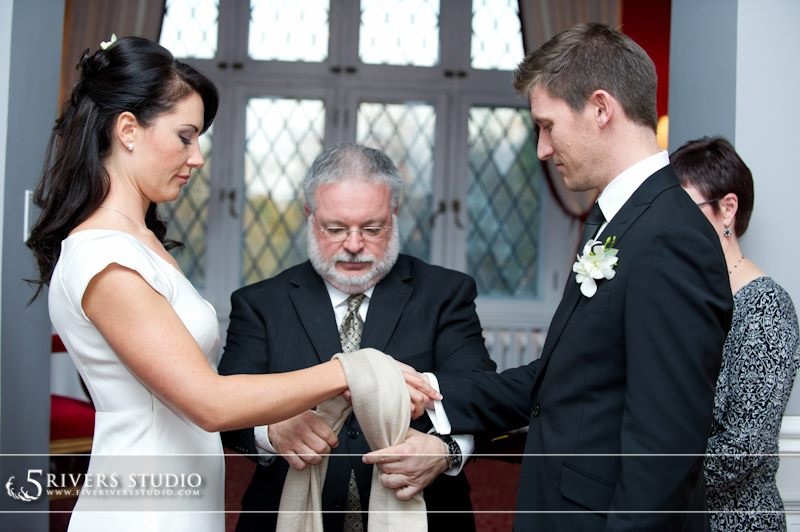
x=348, y=161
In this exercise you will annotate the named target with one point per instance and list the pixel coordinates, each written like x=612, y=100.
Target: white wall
x=30, y=57
x=768, y=138
x=734, y=72
x=5, y=65
x=768, y=133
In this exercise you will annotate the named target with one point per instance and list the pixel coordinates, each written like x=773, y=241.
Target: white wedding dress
x=151, y=467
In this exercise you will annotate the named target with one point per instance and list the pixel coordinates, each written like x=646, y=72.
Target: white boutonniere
x=597, y=262
x=105, y=44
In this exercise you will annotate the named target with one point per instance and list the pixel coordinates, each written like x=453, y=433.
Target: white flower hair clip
x=106, y=44
x=597, y=262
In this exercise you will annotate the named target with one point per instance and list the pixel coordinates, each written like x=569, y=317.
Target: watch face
x=454, y=452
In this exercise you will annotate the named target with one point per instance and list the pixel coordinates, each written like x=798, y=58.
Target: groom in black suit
x=619, y=405
x=422, y=315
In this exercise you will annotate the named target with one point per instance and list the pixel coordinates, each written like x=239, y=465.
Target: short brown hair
x=712, y=166
x=588, y=57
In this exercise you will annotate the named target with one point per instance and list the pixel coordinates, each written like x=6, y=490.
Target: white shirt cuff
x=441, y=425
x=437, y=415
x=264, y=447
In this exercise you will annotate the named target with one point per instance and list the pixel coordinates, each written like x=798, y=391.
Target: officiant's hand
x=410, y=467
x=303, y=439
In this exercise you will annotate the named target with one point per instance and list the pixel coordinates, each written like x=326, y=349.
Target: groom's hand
x=303, y=439
x=410, y=467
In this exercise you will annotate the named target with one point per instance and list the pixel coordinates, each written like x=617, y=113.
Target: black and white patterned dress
x=760, y=359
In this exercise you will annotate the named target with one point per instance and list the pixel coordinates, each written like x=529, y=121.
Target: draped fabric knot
x=381, y=403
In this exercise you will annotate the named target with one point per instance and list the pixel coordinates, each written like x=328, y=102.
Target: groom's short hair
x=588, y=57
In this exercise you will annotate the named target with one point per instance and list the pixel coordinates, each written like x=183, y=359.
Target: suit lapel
x=636, y=205
x=313, y=306
x=389, y=299
x=557, y=324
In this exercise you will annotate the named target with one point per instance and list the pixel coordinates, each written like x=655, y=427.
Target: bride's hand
x=420, y=391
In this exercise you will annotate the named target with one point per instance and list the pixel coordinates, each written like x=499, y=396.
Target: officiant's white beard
x=353, y=284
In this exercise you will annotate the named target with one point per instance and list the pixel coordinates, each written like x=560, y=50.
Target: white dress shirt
x=622, y=187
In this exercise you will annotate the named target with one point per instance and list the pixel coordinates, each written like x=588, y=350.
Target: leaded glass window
x=496, y=30
x=399, y=32
x=405, y=132
x=289, y=30
x=283, y=136
x=426, y=81
x=504, y=202
x=190, y=28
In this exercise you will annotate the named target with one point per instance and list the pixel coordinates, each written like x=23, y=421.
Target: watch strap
x=454, y=457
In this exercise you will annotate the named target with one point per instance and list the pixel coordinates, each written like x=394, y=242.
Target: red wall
x=647, y=22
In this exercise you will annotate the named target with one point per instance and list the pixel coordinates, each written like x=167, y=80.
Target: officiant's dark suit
x=630, y=371
x=422, y=315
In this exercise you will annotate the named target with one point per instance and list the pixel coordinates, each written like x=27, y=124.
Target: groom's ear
x=602, y=106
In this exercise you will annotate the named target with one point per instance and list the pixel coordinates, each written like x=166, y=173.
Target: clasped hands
x=407, y=468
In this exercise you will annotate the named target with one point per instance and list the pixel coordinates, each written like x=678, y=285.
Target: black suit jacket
x=628, y=372
x=420, y=314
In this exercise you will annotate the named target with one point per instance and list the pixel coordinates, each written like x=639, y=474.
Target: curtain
x=89, y=22
x=541, y=20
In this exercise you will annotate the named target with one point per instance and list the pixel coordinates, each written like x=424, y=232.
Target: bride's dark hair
x=134, y=75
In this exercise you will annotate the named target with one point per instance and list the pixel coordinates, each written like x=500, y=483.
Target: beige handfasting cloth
x=381, y=403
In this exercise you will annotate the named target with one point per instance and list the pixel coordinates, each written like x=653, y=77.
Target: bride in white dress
x=144, y=341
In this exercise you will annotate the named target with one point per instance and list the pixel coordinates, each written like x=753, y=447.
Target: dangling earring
x=727, y=231
x=130, y=146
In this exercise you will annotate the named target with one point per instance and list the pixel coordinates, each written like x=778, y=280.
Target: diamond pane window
x=289, y=30
x=283, y=136
x=190, y=28
x=187, y=218
x=405, y=132
x=503, y=202
x=399, y=32
x=496, y=34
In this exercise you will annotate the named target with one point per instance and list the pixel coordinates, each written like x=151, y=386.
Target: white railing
x=510, y=348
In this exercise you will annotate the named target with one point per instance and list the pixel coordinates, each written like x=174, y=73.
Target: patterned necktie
x=350, y=335
x=593, y=222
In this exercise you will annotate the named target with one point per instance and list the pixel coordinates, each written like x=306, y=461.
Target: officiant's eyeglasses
x=335, y=233
x=707, y=202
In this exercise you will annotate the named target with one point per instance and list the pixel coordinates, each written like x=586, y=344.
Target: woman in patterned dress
x=761, y=353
